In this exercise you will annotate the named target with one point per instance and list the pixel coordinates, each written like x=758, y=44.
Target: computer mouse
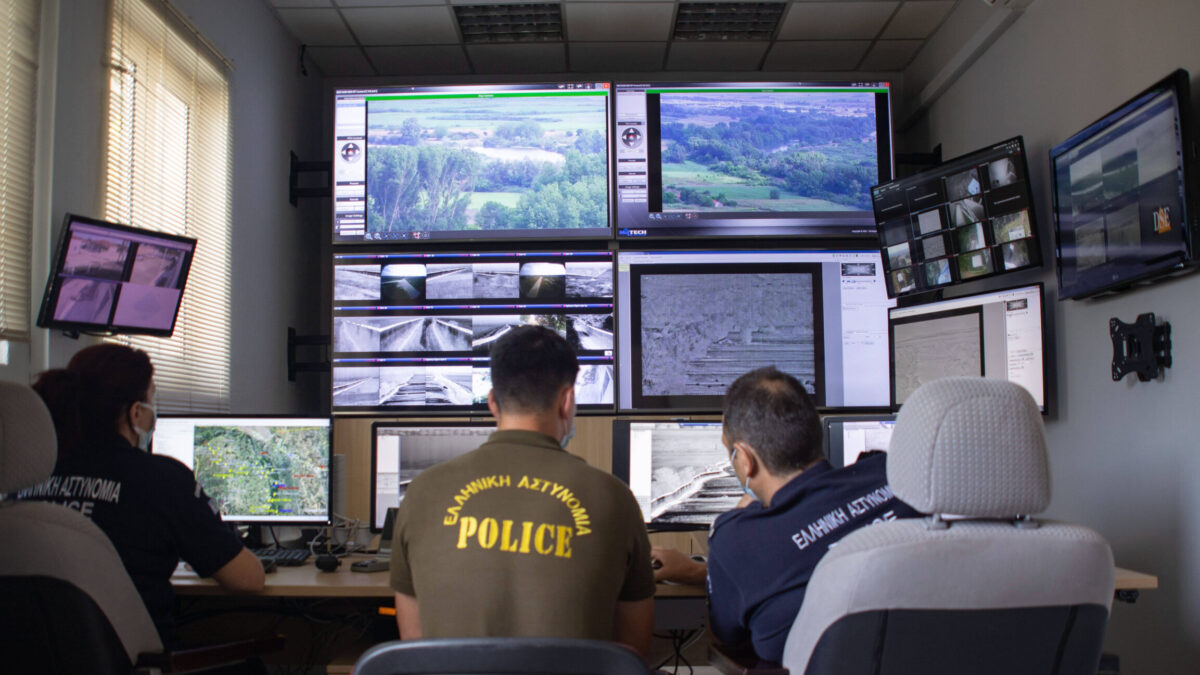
x=328, y=563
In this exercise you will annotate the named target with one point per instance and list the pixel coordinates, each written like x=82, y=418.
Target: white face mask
x=146, y=436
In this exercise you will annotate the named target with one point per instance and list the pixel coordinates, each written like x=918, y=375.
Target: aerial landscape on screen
x=264, y=471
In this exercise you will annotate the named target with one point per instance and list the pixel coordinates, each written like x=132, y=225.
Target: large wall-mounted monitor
x=258, y=469
x=968, y=218
x=999, y=334
x=847, y=437
x=111, y=278
x=1125, y=194
x=401, y=450
x=471, y=162
x=412, y=331
x=736, y=159
x=691, y=322
x=679, y=471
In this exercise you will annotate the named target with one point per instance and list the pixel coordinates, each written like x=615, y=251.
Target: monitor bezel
x=838, y=459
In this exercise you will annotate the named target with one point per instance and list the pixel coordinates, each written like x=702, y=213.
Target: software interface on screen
x=471, y=162
x=739, y=159
x=257, y=469
x=846, y=438
x=412, y=331
x=679, y=471
x=114, y=277
x=401, y=451
x=997, y=335
x=691, y=322
x=968, y=218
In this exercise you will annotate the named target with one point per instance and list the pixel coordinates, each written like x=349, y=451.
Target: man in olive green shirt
x=518, y=537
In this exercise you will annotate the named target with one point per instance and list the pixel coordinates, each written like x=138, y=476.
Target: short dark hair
x=771, y=412
x=530, y=365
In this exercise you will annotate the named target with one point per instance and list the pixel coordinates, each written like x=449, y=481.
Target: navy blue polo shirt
x=760, y=559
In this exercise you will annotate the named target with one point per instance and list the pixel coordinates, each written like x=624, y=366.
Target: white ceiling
x=356, y=38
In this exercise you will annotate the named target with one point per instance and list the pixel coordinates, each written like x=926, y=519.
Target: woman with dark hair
x=151, y=507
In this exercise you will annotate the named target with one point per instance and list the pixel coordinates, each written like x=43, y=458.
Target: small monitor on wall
x=735, y=159
x=999, y=334
x=114, y=278
x=968, y=218
x=849, y=436
x=258, y=469
x=471, y=162
x=1125, y=194
x=679, y=471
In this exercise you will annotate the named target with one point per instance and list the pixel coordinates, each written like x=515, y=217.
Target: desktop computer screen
x=267, y=470
x=679, y=471
x=847, y=437
x=998, y=334
x=690, y=322
x=401, y=450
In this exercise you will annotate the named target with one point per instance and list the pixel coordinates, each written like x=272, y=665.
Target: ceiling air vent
x=718, y=21
x=521, y=22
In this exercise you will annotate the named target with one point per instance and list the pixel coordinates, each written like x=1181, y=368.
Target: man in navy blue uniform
x=762, y=554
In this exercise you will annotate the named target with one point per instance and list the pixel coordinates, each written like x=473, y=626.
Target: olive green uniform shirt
x=519, y=538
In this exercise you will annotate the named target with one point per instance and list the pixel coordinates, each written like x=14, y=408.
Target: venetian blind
x=18, y=95
x=168, y=169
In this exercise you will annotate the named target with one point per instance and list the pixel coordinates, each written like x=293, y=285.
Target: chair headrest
x=28, y=445
x=970, y=446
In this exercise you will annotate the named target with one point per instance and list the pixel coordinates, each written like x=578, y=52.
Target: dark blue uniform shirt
x=152, y=509
x=760, y=559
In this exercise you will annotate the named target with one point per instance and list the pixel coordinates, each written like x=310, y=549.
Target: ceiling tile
x=403, y=25
x=715, y=55
x=348, y=4
x=424, y=60
x=518, y=58
x=340, y=61
x=316, y=26
x=811, y=55
x=917, y=20
x=302, y=3
x=891, y=54
x=617, y=57
x=618, y=20
x=835, y=20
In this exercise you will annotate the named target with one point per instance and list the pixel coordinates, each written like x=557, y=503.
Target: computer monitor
x=690, y=322
x=966, y=219
x=999, y=334
x=848, y=436
x=679, y=471
x=401, y=450
x=258, y=469
x=113, y=278
x=412, y=331
x=471, y=162
x=736, y=159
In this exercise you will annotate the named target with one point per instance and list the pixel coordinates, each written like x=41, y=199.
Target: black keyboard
x=284, y=557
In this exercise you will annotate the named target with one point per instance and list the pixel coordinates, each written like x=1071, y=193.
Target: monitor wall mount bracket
x=1142, y=347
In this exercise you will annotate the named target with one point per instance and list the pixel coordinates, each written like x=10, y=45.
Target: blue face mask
x=745, y=486
x=567, y=439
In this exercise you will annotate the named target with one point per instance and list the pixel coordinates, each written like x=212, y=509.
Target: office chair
x=67, y=604
x=536, y=656
x=988, y=591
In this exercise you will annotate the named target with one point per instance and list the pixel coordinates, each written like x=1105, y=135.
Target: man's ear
x=750, y=460
x=492, y=405
x=566, y=402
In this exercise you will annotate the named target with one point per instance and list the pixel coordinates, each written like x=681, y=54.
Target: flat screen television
x=111, y=278
x=966, y=219
x=849, y=436
x=258, y=469
x=471, y=162
x=1125, y=194
x=736, y=159
x=412, y=330
x=690, y=322
x=679, y=471
x=998, y=334
x=402, y=450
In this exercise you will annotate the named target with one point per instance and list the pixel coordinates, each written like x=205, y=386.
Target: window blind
x=168, y=169
x=18, y=96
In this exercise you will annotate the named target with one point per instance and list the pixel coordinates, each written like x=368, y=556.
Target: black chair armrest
x=208, y=656
x=741, y=660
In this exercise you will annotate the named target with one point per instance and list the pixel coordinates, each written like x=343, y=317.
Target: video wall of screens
x=691, y=322
x=998, y=335
x=412, y=331
x=968, y=218
x=679, y=471
x=110, y=277
x=750, y=159
x=269, y=470
x=1124, y=193
x=401, y=450
x=481, y=162
x=848, y=437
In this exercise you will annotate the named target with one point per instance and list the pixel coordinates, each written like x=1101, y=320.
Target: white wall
x=1124, y=455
